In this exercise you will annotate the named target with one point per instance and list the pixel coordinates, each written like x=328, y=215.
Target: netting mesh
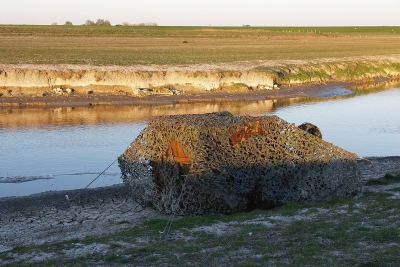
x=220, y=163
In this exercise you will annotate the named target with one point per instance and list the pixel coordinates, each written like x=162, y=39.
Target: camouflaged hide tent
x=220, y=163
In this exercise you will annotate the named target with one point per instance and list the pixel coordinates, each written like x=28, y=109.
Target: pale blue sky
x=205, y=12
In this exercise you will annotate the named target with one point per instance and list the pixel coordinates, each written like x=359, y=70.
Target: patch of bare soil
x=49, y=217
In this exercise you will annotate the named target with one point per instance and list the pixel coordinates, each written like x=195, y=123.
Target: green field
x=128, y=45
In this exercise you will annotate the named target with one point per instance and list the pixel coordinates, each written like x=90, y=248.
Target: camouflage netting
x=220, y=163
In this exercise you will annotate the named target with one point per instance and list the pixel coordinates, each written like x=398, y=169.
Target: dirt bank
x=81, y=85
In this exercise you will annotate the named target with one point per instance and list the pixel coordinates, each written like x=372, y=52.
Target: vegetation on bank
x=334, y=71
x=340, y=232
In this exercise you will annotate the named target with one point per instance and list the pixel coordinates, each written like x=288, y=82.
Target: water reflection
x=55, y=117
x=85, y=116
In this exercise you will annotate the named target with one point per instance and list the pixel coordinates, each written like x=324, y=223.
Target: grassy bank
x=340, y=232
x=334, y=71
x=126, y=46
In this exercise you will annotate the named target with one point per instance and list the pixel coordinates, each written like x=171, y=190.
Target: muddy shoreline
x=307, y=90
x=311, y=90
x=49, y=217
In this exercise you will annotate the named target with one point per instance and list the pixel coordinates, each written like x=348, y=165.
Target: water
x=61, y=158
x=66, y=148
x=368, y=125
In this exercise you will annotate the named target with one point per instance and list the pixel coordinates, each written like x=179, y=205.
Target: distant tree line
x=99, y=22
x=139, y=24
x=104, y=22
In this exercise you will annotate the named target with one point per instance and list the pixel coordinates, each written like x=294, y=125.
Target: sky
x=205, y=12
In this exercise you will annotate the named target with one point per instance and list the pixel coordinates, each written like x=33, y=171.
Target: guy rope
x=70, y=200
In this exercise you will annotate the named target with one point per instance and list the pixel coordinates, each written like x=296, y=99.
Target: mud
x=48, y=217
x=79, y=100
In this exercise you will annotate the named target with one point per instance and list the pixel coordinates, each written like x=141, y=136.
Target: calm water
x=58, y=149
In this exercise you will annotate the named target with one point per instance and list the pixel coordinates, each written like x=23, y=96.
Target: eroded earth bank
x=81, y=85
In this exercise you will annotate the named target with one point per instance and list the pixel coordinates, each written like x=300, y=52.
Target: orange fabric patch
x=177, y=153
x=242, y=133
